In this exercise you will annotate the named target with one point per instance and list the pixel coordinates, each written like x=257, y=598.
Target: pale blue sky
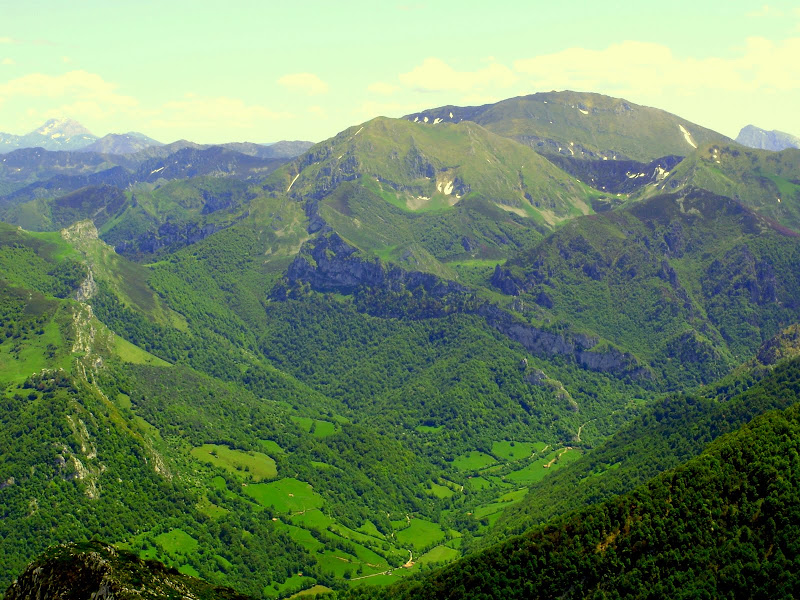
x=263, y=71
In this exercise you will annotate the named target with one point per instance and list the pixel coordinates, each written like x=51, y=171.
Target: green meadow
x=255, y=464
x=286, y=495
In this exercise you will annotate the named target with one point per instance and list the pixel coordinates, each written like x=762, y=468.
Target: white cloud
x=435, y=75
x=73, y=86
x=646, y=69
x=304, y=82
x=384, y=89
x=766, y=11
x=8, y=61
x=371, y=109
x=194, y=113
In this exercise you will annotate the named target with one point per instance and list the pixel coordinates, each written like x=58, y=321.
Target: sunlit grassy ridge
x=574, y=123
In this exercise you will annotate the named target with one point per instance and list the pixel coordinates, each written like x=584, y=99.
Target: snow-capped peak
x=55, y=128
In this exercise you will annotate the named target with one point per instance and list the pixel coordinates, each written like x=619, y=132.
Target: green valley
x=407, y=346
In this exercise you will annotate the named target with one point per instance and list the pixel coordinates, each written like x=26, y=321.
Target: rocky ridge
x=102, y=572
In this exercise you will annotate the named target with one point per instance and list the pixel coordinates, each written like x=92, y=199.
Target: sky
x=263, y=71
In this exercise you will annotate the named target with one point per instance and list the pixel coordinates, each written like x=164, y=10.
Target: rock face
x=330, y=264
x=755, y=137
x=100, y=571
x=616, y=176
x=583, y=348
x=783, y=346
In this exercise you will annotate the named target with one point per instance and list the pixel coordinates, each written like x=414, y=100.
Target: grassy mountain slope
x=723, y=524
x=478, y=191
x=581, y=124
x=768, y=182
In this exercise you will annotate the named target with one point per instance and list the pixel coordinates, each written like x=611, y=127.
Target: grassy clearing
x=516, y=450
x=429, y=428
x=176, y=542
x=286, y=495
x=302, y=536
x=20, y=358
x=337, y=563
x=489, y=263
x=473, y=461
x=312, y=591
x=321, y=465
x=439, y=491
x=380, y=579
x=514, y=496
x=355, y=536
x=292, y=583
x=315, y=427
x=478, y=483
x=539, y=469
x=489, y=509
x=420, y=534
x=211, y=510
x=455, y=543
x=188, y=570
x=255, y=464
x=272, y=447
x=313, y=519
x=369, y=528
x=131, y=353
x=438, y=554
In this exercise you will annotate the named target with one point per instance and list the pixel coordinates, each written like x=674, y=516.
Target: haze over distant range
x=172, y=72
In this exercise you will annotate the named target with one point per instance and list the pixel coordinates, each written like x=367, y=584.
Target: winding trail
x=563, y=452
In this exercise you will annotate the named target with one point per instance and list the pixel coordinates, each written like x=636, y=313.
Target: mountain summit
x=581, y=125
x=55, y=134
x=755, y=137
x=56, y=128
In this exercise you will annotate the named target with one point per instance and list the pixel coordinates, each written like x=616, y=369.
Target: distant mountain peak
x=121, y=143
x=755, y=137
x=61, y=128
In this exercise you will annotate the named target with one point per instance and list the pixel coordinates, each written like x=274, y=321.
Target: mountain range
x=69, y=135
x=550, y=343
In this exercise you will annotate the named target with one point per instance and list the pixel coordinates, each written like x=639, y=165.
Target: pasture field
x=516, y=450
x=438, y=554
x=429, y=428
x=539, y=469
x=312, y=519
x=473, y=461
x=255, y=464
x=312, y=591
x=272, y=447
x=176, y=542
x=439, y=491
x=134, y=354
x=286, y=495
x=419, y=534
x=315, y=427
